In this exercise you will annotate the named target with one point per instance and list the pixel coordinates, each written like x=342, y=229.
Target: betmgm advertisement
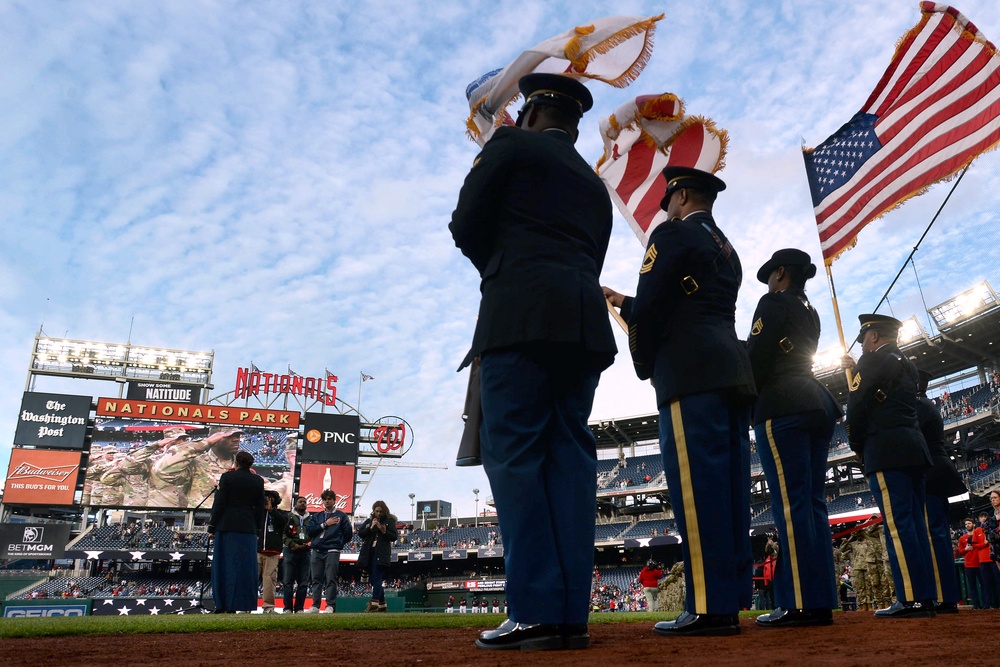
x=172, y=464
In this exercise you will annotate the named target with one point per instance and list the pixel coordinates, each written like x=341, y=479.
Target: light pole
x=476, y=491
x=413, y=511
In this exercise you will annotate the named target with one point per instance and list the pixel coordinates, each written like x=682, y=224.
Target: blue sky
x=274, y=181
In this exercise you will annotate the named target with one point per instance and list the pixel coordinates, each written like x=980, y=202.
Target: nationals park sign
x=205, y=414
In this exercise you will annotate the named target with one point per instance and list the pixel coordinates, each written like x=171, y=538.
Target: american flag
x=935, y=109
x=643, y=136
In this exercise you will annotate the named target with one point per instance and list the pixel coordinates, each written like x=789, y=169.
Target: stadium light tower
x=413, y=510
x=476, y=491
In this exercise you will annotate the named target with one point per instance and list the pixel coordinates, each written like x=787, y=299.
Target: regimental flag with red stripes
x=936, y=108
x=643, y=136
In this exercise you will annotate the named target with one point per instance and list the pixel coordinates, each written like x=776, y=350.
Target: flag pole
x=836, y=314
x=618, y=318
x=361, y=381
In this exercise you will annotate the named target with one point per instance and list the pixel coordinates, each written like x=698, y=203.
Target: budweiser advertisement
x=41, y=477
x=315, y=477
x=138, y=463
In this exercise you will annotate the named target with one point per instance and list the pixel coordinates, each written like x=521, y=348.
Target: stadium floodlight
x=910, y=331
x=828, y=360
x=83, y=358
x=964, y=306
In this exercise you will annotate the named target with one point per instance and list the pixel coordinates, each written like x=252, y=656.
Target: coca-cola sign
x=315, y=477
x=41, y=477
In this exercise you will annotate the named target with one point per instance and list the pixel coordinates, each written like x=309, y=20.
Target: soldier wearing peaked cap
x=682, y=335
x=942, y=482
x=883, y=431
x=793, y=421
x=535, y=221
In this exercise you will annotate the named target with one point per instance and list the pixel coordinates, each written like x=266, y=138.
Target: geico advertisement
x=40, y=477
x=43, y=610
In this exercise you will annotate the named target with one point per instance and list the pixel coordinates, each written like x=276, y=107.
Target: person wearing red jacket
x=967, y=551
x=649, y=579
x=987, y=568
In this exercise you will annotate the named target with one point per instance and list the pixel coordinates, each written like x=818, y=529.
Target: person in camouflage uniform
x=875, y=572
x=131, y=475
x=95, y=468
x=859, y=572
x=672, y=590
x=102, y=459
x=284, y=484
x=189, y=471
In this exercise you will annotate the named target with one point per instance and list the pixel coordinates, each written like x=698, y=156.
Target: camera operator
x=649, y=579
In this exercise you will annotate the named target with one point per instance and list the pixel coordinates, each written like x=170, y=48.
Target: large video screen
x=171, y=465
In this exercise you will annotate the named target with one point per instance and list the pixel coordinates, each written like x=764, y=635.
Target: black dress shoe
x=699, y=625
x=575, y=637
x=923, y=609
x=788, y=618
x=524, y=636
x=946, y=607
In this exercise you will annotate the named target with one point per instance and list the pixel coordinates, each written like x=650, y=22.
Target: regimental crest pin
x=856, y=382
x=648, y=259
x=758, y=326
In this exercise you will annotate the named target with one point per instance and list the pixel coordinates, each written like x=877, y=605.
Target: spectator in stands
x=883, y=432
x=237, y=513
x=682, y=336
x=295, y=573
x=649, y=579
x=377, y=533
x=967, y=551
x=330, y=531
x=269, y=544
x=793, y=419
x=942, y=482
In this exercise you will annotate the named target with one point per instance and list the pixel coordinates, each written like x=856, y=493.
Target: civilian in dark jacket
x=378, y=533
x=237, y=516
x=269, y=547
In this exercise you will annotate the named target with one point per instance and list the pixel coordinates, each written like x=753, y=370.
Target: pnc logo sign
x=315, y=436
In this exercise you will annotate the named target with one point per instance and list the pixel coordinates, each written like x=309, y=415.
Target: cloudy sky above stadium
x=273, y=181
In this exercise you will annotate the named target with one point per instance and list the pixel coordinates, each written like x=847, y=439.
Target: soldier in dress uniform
x=535, y=221
x=942, y=482
x=682, y=335
x=793, y=421
x=189, y=471
x=883, y=432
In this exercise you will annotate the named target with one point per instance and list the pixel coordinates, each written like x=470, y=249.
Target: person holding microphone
x=377, y=534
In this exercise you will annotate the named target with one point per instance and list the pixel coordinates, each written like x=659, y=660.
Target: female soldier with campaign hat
x=793, y=420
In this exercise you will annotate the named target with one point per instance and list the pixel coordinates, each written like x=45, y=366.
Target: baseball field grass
x=140, y=625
